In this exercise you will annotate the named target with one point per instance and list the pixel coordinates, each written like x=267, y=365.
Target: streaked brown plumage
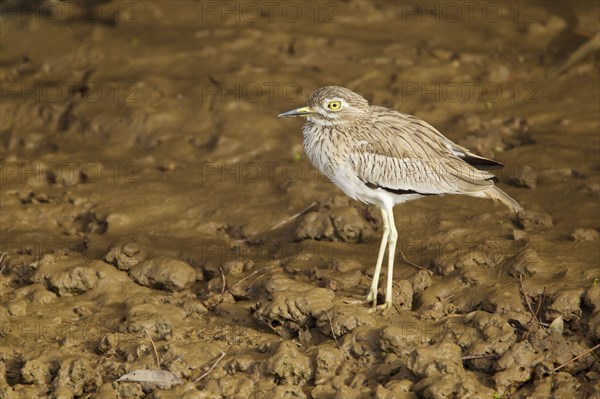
x=383, y=157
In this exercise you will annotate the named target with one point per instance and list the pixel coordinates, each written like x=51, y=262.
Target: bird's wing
x=398, y=152
x=465, y=154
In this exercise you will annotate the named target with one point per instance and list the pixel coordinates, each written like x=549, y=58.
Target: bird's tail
x=498, y=195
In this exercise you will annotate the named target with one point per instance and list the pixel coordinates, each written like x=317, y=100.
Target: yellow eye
x=334, y=105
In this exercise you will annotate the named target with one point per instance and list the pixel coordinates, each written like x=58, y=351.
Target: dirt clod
x=164, y=273
x=289, y=365
x=125, y=255
x=292, y=305
x=534, y=220
x=585, y=235
x=341, y=319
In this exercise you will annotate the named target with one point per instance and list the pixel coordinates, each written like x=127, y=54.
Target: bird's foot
x=358, y=301
x=370, y=299
x=384, y=308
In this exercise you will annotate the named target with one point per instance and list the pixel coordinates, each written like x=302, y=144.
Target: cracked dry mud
x=138, y=211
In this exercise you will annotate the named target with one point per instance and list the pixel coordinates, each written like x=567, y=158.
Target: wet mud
x=156, y=215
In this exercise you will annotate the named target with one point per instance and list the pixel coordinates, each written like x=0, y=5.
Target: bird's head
x=332, y=105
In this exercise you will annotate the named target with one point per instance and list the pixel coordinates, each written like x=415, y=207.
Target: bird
x=383, y=157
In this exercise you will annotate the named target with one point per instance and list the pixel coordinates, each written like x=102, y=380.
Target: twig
x=223, y=278
x=278, y=225
x=153, y=347
x=414, y=264
x=525, y=294
x=470, y=357
x=253, y=273
x=577, y=357
x=535, y=315
x=333, y=333
x=294, y=216
x=211, y=368
x=2, y=262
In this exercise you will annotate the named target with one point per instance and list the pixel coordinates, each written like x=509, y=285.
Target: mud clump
x=327, y=362
x=567, y=305
x=442, y=373
x=288, y=365
x=487, y=137
x=125, y=255
x=516, y=366
x=485, y=255
x=529, y=220
x=68, y=278
x=341, y=319
x=527, y=262
x=164, y=273
x=585, y=235
x=141, y=315
x=337, y=221
x=77, y=376
x=292, y=305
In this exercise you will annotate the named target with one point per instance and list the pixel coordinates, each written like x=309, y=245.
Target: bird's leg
x=384, y=239
x=392, y=239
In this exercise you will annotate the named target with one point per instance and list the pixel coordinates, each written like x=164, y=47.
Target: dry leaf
x=161, y=378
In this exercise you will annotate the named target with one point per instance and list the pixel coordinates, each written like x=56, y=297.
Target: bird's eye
x=334, y=105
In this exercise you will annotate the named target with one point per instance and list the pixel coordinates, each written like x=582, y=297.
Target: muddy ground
x=150, y=198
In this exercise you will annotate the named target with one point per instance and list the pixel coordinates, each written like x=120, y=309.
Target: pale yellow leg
x=393, y=238
x=384, y=240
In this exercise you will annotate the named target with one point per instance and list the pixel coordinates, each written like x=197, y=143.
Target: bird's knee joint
x=393, y=236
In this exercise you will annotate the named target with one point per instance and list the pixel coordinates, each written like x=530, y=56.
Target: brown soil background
x=145, y=179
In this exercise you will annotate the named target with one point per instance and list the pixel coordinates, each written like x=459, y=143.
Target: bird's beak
x=304, y=111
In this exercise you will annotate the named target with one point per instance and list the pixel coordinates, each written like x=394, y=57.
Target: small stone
x=557, y=325
x=584, y=235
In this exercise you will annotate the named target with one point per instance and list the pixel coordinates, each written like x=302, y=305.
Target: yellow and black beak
x=304, y=111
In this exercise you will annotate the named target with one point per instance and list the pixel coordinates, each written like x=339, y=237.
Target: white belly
x=353, y=187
